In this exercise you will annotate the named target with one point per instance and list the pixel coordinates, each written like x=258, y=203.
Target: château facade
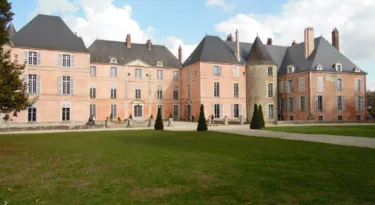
x=309, y=80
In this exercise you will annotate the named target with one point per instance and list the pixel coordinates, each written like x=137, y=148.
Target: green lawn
x=349, y=130
x=149, y=167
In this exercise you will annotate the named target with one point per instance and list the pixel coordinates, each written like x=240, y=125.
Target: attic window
x=113, y=60
x=319, y=67
x=159, y=64
x=291, y=69
x=338, y=67
x=357, y=69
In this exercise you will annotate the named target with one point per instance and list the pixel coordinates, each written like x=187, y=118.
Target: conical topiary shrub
x=159, y=122
x=261, y=118
x=255, y=124
x=202, y=126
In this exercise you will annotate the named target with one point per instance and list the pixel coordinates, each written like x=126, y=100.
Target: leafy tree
x=202, y=126
x=371, y=102
x=159, y=121
x=255, y=122
x=261, y=118
x=13, y=95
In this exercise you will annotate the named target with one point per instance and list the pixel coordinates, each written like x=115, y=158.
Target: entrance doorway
x=138, y=112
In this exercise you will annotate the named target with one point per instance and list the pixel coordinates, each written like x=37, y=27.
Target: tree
x=255, y=124
x=261, y=118
x=202, y=126
x=159, y=122
x=13, y=95
x=371, y=102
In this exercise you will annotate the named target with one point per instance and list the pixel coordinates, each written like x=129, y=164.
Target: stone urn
x=130, y=122
x=107, y=123
x=170, y=120
x=209, y=121
x=226, y=120
x=241, y=120
x=151, y=122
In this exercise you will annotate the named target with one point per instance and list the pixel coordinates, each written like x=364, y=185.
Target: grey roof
x=48, y=32
x=11, y=30
x=258, y=53
x=214, y=49
x=103, y=50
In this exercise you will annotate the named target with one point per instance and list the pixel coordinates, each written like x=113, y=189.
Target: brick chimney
x=180, y=54
x=269, y=41
x=128, y=41
x=335, y=39
x=149, y=44
x=238, y=45
x=294, y=43
x=230, y=37
x=309, y=41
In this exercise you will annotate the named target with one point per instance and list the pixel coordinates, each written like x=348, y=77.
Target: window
x=32, y=58
x=289, y=86
x=338, y=67
x=175, y=92
x=188, y=91
x=92, y=90
x=319, y=87
x=291, y=103
x=358, y=85
x=319, y=103
x=138, y=91
x=66, y=85
x=33, y=86
x=188, y=73
x=281, y=104
x=281, y=86
x=175, y=111
x=113, y=72
x=320, y=118
x=339, y=85
x=270, y=90
x=236, y=71
x=340, y=102
x=65, y=111
x=138, y=73
x=113, y=91
x=291, y=118
x=359, y=103
x=159, y=64
x=270, y=71
x=216, y=89
x=271, y=111
x=236, y=110
x=138, y=110
x=216, y=70
x=236, y=87
x=301, y=103
x=92, y=70
x=160, y=92
x=339, y=118
x=359, y=117
x=290, y=69
x=66, y=60
x=319, y=67
x=176, y=75
x=114, y=111
x=160, y=74
x=357, y=69
x=301, y=82
x=31, y=113
x=217, y=109
x=113, y=60
x=93, y=110
x=160, y=107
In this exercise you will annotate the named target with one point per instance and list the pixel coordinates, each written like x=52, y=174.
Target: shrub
x=255, y=124
x=202, y=126
x=261, y=118
x=159, y=122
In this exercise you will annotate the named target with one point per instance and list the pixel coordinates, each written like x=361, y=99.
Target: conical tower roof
x=11, y=30
x=259, y=54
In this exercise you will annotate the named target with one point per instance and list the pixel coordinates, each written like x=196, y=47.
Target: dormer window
x=338, y=67
x=113, y=60
x=319, y=67
x=357, y=69
x=291, y=69
x=159, y=64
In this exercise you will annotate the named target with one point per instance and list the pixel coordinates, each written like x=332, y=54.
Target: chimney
x=335, y=39
x=269, y=41
x=309, y=41
x=238, y=45
x=230, y=37
x=294, y=43
x=128, y=41
x=180, y=54
x=149, y=44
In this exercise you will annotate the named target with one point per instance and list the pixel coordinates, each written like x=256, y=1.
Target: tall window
x=339, y=118
x=301, y=85
x=236, y=87
x=216, y=70
x=236, y=110
x=270, y=90
x=320, y=85
x=291, y=104
x=270, y=71
x=319, y=103
x=93, y=110
x=113, y=72
x=138, y=73
x=358, y=85
x=281, y=86
x=358, y=117
x=339, y=85
x=92, y=90
x=92, y=70
x=289, y=86
x=175, y=111
x=33, y=85
x=301, y=104
x=31, y=113
x=176, y=75
x=359, y=103
x=138, y=91
x=138, y=110
x=188, y=73
x=113, y=91
x=236, y=71
x=32, y=58
x=66, y=60
x=160, y=92
x=188, y=91
x=340, y=102
x=65, y=111
x=114, y=111
x=320, y=118
x=218, y=110
x=175, y=92
x=66, y=85
x=216, y=89
x=281, y=104
x=271, y=111
x=160, y=74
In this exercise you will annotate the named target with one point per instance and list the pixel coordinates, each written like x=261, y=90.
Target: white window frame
x=159, y=92
x=113, y=60
x=290, y=104
x=338, y=67
x=113, y=107
x=138, y=91
x=338, y=117
x=92, y=87
x=33, y=60
x=66, y=60
x=113, y=72
x=93, y=71
x=67, y=85
x=217, y=89
x=357, y=69
x=34, y=112
x=159, y=64
x=138, y=73
x=92, y=110
x=339, y=84
x=319, y=84
x=271, y=111
x=221, y=110
x=268, y=71
x=290, y=69
x=301, y=84
x=33, y=84
x=176, y=75
x=319, y=67
x=135, y=114
x=289, y=86
x=66, y=104
x=236, y=71
x=359, y=103
x=239, y=107
x=175, y=92
x=358, y=85
x=317, y=107
x=301, y=104
x=159, y=74
x=216, y=72
x=178, y=111
x=340, y=102
x=270, y=90
x=236, y=93
x=113, y=91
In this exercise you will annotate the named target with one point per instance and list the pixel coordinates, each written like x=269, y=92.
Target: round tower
x=261, y=82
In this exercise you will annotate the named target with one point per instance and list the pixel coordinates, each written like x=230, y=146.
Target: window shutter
x=356, y=85
x=298, y=103
x=362, y=103
x=38, y=84
x=356, y=103
x=342, y=84
x=72, y=64
x=213, y=70
x=240, y=110
x=336, y=102
x=343, y=103
x=26, y=57
x=232, y=111
x=323, y=107
x=71, y=85
x=337, y=85
x=26, y=81
x=60, y=87
x=221, y=111
x=287, y=86
x=359, y=85
x=305, y=103
x=316, y=102
x=213, y=110
x=39, y=56
x=60, y=60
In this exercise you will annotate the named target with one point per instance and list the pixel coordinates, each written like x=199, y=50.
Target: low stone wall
x=297, y=122
x=49, y=127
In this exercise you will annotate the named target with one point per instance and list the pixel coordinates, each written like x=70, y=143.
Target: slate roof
x=48, y=32
x=11, y=30
x=258, y=53
x=103, y=50
x=214, y=49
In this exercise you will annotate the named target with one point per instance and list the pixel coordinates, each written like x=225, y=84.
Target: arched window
x=113, y=60
x=339, y=84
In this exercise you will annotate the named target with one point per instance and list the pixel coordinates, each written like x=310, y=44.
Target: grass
x=149, y=167
x=347, y=130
